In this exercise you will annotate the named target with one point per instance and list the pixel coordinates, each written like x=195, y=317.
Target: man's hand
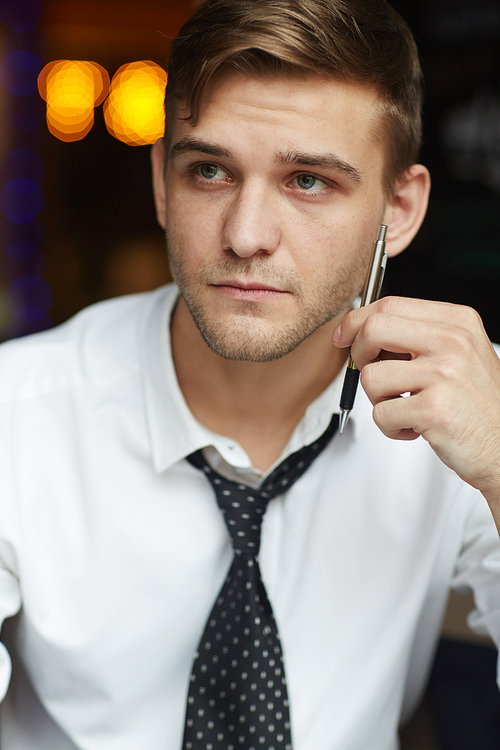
x=441, y=355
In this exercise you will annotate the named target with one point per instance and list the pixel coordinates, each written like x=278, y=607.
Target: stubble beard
x=241, y=331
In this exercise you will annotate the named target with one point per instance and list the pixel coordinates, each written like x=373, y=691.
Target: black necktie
x=237, y=695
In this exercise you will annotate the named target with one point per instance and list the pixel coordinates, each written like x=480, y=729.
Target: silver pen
x=371, y=293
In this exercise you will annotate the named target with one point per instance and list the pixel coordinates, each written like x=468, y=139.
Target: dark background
x=456, y=256
x=97, y=234
x=98, y=220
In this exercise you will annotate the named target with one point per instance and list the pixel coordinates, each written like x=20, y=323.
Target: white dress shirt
x=112, y=549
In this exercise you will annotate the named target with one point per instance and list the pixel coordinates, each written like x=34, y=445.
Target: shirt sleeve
x=478, y=568
x=10, y=604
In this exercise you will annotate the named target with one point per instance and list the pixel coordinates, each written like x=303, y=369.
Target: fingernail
x=337, y=334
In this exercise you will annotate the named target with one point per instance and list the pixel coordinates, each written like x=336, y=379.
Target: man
x=292, y=134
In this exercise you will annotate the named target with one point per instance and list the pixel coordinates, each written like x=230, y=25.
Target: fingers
x=387, y=379
x=438, y=353
x=441, y=361
x=383, y=333
x=402, y=394
x=398, y=418
x=397, y=327
x=412, y=310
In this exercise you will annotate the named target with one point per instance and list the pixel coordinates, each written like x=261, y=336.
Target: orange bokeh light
x=133, y=112
x=72, y=88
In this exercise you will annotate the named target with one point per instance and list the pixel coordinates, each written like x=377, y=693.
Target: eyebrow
x=189, y=143
x=326, y=161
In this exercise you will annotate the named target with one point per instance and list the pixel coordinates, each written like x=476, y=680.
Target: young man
x=292, y=135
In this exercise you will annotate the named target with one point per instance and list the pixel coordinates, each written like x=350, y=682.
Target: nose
x=251, y=225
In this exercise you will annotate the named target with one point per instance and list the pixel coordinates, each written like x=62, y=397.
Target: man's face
x=272, y=204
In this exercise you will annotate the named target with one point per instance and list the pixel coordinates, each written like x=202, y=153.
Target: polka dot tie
x=237, y=696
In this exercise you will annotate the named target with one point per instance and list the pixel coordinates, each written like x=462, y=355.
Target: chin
x=251, y=342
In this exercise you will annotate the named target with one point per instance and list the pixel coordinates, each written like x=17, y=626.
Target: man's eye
x=309, y=182
x=211, y=171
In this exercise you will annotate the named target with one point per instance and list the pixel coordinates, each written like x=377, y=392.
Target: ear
x=406, y=210
x=158, y=169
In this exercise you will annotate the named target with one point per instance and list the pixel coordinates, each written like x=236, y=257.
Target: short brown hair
x=362, y=41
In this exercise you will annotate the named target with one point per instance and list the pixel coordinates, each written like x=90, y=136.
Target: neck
x=256, y=404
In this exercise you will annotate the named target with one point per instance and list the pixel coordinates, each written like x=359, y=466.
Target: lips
x=257, y=286
x=255, y=292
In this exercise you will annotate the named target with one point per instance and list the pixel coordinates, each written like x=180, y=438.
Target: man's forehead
x=312, y=113
x=311, y=88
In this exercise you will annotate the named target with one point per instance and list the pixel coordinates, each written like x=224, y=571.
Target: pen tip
x=344, y=416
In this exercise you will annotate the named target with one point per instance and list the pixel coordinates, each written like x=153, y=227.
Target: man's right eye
x=210, y=171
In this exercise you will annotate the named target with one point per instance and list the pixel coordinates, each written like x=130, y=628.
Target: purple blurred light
x=30, y=314
x=19, y=72
x=29, y=298
x=21, y=200
x=22, y=162
x=20, y=15
x=22, y=249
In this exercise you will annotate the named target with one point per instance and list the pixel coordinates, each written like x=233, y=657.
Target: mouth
x=250, y=290
x=249, y=285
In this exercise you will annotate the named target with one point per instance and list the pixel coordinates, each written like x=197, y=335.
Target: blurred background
x=77, y=223
x=89, y=229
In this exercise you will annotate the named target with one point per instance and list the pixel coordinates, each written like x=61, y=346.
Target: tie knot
x=243, y=510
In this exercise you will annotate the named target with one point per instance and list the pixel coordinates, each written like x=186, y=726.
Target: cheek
x=190, y=216
x=333, y=263
x=188, y=228
x=318, y=249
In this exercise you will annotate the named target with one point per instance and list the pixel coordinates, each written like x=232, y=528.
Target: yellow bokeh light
x=72, y=89
x=133, y=112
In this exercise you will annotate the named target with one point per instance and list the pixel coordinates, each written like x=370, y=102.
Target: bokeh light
x=22, y=162
x=134, y=110
x=18, y=72
x=21, y=200
x=22, y=15
x=25, y=297
x=72, y=89
x=29, y=298
x=23, y=241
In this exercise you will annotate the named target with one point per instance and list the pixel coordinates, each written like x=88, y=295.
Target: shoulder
x=99, y=344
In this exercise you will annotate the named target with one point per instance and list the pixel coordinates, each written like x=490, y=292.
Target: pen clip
x=376, y=273
x=381, y=274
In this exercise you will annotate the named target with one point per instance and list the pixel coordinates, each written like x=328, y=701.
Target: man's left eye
x=309, y=182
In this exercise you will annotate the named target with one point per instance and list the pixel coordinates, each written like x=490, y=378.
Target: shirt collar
x=174, y=431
